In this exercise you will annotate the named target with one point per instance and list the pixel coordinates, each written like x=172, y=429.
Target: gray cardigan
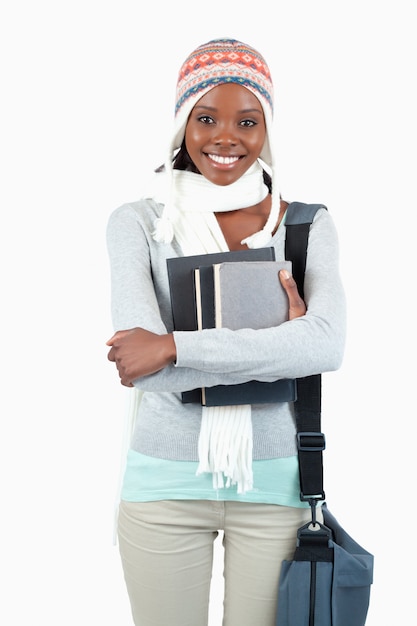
x=165, y=427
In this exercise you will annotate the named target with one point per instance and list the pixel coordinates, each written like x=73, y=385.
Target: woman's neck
x=236, y=225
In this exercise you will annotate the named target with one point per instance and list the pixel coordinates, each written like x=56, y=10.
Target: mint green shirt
x=147, y=479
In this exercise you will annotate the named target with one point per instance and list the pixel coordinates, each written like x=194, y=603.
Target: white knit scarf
x=185, y=194
x=225, y=441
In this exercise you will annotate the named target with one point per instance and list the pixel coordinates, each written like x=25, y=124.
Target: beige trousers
x=167, y=555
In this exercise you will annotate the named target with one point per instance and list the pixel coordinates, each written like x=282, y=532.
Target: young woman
x=217, y=191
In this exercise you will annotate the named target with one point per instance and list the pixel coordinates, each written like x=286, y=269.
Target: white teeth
x=223, y=160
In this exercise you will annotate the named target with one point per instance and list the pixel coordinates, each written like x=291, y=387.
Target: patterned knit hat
x=224, y=61
x=218, y=62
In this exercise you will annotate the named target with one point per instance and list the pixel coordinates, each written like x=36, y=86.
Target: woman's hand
x=297, y=307
x=138, y=352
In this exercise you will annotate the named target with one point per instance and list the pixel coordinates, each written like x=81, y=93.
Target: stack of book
x=235, y=290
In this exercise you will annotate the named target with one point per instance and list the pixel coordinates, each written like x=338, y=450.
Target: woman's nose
x=225, y=135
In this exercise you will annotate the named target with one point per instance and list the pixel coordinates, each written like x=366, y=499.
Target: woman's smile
x=223, y=160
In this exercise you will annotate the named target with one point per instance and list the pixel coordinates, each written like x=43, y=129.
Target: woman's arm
x=138, y=352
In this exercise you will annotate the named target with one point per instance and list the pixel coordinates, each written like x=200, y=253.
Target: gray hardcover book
x=265, y=284
x=250, y=295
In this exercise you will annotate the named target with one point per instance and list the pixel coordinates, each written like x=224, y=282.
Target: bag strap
x=310, y=439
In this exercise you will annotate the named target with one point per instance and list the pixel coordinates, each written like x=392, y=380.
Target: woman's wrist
x=170, y=348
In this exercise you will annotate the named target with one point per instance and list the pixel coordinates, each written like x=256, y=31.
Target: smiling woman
x=243, y=127
x=193, y=471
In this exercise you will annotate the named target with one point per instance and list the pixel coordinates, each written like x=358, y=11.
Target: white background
x=87, y=93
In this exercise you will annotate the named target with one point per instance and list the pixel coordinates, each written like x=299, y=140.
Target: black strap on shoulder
x=298, y=218
x=310, y=439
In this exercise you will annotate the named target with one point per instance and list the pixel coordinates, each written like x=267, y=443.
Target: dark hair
x=182, y=161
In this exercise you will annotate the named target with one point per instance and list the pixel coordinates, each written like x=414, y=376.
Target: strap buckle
x=311, y=442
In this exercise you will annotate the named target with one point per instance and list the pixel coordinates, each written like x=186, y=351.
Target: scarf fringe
x=225, y=446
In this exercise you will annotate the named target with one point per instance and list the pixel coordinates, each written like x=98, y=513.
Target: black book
x=181, y=276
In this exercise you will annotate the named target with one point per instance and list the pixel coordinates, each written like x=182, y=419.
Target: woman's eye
x=248, y=123
x=206, y=119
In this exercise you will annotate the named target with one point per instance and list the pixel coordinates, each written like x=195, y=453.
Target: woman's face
x=225, y=133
